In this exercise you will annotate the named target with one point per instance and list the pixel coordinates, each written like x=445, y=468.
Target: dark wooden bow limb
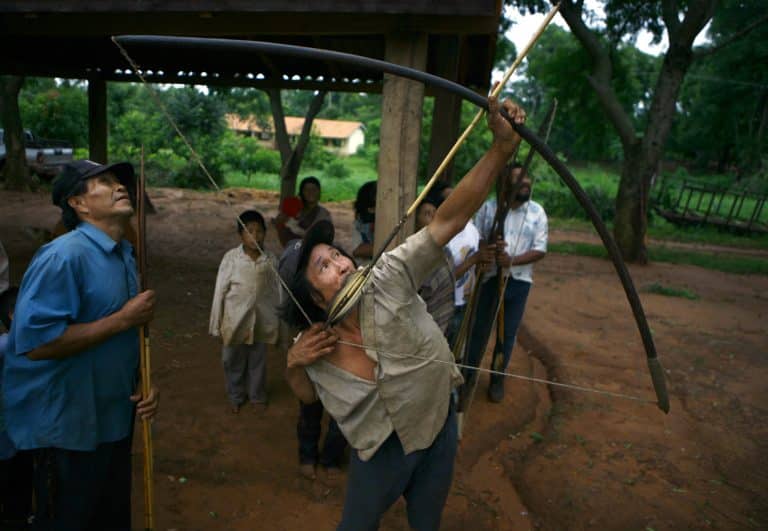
x=144, y=350
x=245, y=49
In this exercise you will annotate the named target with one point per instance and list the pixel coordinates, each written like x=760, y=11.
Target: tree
x=292, y=156
x=724, y=101
x=642, y=147
x=15, y=170
x=56, y=109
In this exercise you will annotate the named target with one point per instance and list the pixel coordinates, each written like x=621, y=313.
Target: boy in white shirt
x=244, y=313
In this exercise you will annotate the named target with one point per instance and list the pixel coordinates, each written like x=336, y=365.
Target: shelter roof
x=72, y=39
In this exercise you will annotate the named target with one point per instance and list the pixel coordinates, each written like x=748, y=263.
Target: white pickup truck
x=44, y=157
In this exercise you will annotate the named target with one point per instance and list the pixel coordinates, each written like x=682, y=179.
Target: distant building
x=340, y=136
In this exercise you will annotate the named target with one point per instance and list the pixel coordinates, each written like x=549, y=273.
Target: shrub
x=267, y=161
x=336, y=169
x=560, y=202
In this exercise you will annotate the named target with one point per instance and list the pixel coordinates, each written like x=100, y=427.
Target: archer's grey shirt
x=411, y=391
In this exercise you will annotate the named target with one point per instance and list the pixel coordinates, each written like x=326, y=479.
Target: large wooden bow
x=258, y=48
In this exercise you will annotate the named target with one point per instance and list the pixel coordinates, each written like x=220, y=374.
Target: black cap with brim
x=81, y=170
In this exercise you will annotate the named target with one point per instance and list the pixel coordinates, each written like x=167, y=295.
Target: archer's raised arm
x=472, y=190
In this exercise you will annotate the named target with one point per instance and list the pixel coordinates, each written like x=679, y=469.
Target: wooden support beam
x=446, y=114
x=401, y=111
x=97, y=120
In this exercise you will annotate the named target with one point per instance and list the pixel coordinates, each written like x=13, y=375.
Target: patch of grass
x=742, y=265
x=333, y=188
x=671, y=292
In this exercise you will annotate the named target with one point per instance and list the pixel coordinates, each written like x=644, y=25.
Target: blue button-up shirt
x=81, y=401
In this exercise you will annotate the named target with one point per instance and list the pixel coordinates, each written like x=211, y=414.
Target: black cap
x=81, y=170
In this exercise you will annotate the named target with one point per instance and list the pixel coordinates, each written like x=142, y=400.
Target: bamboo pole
x=144, y=349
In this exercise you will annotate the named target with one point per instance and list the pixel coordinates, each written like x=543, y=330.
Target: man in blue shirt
x=70, y=378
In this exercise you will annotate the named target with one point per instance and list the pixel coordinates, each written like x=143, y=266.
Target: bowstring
x=403, y=355
x=198, y=159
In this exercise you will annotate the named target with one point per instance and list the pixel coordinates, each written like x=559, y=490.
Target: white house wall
x=354, y=141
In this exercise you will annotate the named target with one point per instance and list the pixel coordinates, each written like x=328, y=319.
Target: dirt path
x=546, y=458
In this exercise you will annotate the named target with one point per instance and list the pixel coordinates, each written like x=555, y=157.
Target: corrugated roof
x=321, y=127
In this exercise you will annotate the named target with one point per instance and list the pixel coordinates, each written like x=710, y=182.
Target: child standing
x=244, y=313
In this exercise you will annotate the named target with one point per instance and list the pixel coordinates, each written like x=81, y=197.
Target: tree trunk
x=641, y=154
x=642, y=158
x=631, y=221
x=282, y=142
x=290, y=169
x=15, y=170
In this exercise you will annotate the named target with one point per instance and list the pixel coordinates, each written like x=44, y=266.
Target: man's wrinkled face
x=105, y=197
x=327, y=270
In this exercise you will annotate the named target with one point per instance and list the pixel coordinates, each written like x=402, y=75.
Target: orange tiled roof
x=321, y=127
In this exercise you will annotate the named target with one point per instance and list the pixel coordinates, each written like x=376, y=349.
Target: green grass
x=671, y=292
x=361, y=170
x=333, y=189
x=728, y=263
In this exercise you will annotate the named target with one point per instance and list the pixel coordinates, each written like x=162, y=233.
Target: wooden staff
x=149, y=519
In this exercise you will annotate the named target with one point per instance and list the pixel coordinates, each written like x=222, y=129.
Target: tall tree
x=555, y=69
x=15, y=170
x=292, y=156
x=724, y=101
x=642, y=148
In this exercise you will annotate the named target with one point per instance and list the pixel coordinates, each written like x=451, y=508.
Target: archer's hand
x=313, y=344
x=147, y=407
x=139, y=310
x=504, y=135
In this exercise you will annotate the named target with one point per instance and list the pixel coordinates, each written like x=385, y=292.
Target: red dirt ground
x=547, y=458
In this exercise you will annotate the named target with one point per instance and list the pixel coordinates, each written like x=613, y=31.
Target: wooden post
x=446, y=114
x=401, y=110
x=97, y=120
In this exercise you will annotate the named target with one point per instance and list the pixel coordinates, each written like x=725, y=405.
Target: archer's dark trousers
x=515, y=297
x=308, y=431
x=84, y=491
x=422, y=477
